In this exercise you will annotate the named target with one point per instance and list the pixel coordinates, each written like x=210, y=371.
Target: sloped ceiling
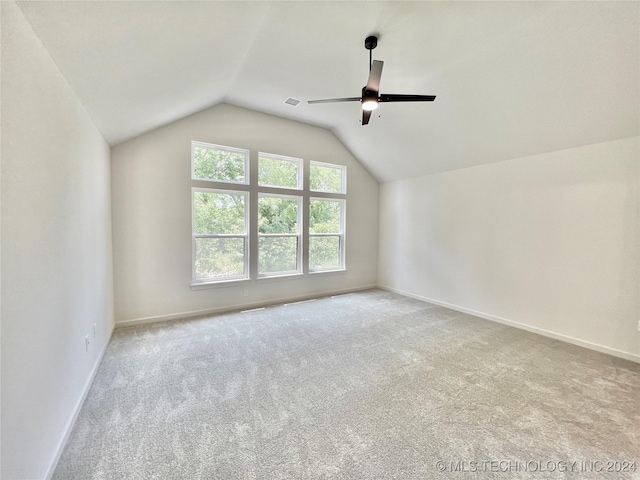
x=512, y=78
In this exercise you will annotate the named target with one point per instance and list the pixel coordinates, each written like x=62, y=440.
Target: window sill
x=220, y=283
x=339, y=271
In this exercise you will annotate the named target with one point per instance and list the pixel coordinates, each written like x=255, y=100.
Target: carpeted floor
x=369, y=385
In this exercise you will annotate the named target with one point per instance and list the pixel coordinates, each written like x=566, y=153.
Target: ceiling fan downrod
x=370, y=43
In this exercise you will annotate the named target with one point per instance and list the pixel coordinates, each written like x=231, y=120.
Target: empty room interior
x=300, y=240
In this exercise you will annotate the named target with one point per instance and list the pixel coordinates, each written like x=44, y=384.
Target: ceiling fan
x=370, y=92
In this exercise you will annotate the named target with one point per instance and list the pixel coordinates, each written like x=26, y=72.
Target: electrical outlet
x=246, y=292
x=94, y=330
x=86, y=343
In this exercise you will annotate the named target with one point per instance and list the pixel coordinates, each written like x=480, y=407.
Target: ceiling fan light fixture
x=369, y=99
x=370, y=104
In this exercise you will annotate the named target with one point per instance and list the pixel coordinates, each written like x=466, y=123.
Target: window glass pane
x=324, y=252
x=324, y=216
x=278, y=254
x=219, y=257
x=218, y=213
x=277, y=172
x=277, y=215
x=219, y=164
x=326, y=179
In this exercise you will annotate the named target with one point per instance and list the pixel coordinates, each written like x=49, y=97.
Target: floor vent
x=292, y=101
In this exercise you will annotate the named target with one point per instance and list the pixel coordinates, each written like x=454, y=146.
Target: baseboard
x=235, y=308
x=76, y=410
x=523, y=326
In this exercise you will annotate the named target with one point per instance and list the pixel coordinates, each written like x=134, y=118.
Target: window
x=324, y=177
x=259, y=220
x=219, y=234
x=278, y=171
x=219, y=164
x=326, y=234
x=279, y=238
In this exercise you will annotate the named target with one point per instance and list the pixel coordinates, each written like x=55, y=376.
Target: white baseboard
x=76, y=410
x=523, y=326
x=235, y=308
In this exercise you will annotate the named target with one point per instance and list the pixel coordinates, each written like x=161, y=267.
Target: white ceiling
x=512, y=78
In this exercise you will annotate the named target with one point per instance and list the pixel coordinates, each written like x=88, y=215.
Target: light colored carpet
x=369, y=385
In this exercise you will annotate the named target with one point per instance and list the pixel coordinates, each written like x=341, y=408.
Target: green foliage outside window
x=278, y=254
x=276, y=172
x=219, y=257
x=324, y=216
x=219, y=165
x=324, y=252
x=277, y=215
x=218, y=213
x=325, y=179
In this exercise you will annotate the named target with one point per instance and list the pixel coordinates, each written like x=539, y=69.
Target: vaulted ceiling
x=512, y=78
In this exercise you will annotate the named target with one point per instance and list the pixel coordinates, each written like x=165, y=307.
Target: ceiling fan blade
x=366, y=115
x=333, y=100
x=386, y=97
x=375, y=73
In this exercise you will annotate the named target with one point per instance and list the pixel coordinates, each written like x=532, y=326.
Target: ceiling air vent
x=292, y=101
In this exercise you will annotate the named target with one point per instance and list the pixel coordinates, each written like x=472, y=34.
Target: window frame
x=298, y=161
x=252, y=192
x=247, y=205
x=247, y=163
x=343, y=177
x=341, y=235
x=299, y=236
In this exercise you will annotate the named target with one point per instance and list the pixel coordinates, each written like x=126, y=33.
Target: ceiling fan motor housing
x=369, y=94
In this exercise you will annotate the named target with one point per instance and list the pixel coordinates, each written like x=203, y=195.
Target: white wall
x=151, y=192
x=56, y=252
x=549, y=241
